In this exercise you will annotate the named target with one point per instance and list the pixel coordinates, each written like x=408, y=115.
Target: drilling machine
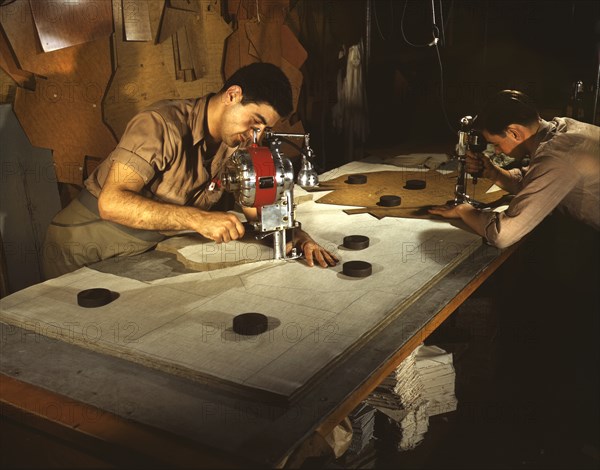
x=468, y=139
x=263, y=178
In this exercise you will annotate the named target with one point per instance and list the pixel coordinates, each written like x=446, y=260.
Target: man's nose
x=255, y=131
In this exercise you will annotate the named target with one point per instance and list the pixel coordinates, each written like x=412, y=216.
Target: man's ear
x=516, y=132
x=232, y=95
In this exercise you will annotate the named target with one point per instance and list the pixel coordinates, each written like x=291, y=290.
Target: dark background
x=539, y=47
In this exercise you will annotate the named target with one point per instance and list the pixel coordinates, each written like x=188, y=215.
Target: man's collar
x=544, y=130
x=200, y=119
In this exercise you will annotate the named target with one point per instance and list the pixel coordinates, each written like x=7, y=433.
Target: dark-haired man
x=158, y=177
x=563, y=173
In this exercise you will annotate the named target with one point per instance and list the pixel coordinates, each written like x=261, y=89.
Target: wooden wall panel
x=17, y=21
x=10, y=64
x=261, y=36
x=136, y=20
x=206, y=36
x=64, y=112
x=87, y=93
x=266, y=10
x=140, y=77
x=8, y=88
x=146, y=72
x=64, y=23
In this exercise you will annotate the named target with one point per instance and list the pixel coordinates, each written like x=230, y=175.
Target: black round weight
x=357, y=268
x=250, y=324
x=356, y=179
x=415, y=184
x=356, y=242
x=389, y=200
x=96, y=297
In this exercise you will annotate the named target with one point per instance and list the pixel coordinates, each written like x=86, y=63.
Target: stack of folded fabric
x=363, y=424
x=436, y=373
x=420, y=387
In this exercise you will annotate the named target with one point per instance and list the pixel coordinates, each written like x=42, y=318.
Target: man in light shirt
x=158, y=178
x=563, y=174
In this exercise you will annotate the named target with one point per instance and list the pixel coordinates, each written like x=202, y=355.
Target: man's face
x=239, y=120
x=506, y=143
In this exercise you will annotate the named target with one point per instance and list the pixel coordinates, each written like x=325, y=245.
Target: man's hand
x=120, y=201
x=478, y=163
x=471, y=216
x=448, y=211
x=451, y=211
x=313, y=251
x=222, y=227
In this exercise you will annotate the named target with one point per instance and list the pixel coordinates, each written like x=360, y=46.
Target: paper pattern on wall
x=64, y=112
x=146, y=72
x=65, y=23
x=265, y=38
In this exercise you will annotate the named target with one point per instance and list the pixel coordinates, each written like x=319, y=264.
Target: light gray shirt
x=564, y=175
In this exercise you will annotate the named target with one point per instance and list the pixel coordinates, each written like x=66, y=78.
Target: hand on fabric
x=222, y=227
x=121, y=201
x=313, y=251
x=449, y=211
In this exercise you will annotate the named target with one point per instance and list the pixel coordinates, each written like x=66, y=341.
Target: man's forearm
x=134, y=210
x=507, y=181
x=474, y=218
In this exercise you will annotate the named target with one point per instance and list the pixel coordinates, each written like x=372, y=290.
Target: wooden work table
x=125, y=414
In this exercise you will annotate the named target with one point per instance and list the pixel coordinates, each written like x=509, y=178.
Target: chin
x=232, y=142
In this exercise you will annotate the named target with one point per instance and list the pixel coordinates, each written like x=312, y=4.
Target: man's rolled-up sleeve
x=144, y=146
x=544, y=186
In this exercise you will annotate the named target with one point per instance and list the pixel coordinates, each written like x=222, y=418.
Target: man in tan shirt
x=158, y=177
x=563, y=173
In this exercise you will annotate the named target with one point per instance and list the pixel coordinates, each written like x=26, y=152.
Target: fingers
x=447, y=211
x=238, y=230
x=228, y=232
x=474, y=164
x=314, y=252
x=222, y=227
x=329, y=259
x=437, y=209
x=308, y=256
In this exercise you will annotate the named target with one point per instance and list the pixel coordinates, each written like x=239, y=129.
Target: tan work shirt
x=165, y=144
x=564, y=174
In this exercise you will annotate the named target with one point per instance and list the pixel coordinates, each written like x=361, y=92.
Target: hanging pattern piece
x=64, y=112
x=65, y=23
x=136, y=20
x=262, y=36
x=350, y=115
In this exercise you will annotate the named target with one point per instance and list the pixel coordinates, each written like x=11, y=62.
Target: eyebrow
x=261, y=118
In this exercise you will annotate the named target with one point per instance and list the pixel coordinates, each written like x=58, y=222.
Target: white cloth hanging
x=350, y=113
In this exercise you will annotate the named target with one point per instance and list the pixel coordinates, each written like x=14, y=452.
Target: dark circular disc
x=389, y=200
x=415, y=184
x=96, y=297
x=250, y=323
x=356, y=179
x=357, y=268
x=356, y=242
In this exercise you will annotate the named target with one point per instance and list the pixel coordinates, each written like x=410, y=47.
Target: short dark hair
x=262, y=82
x=504, y=108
